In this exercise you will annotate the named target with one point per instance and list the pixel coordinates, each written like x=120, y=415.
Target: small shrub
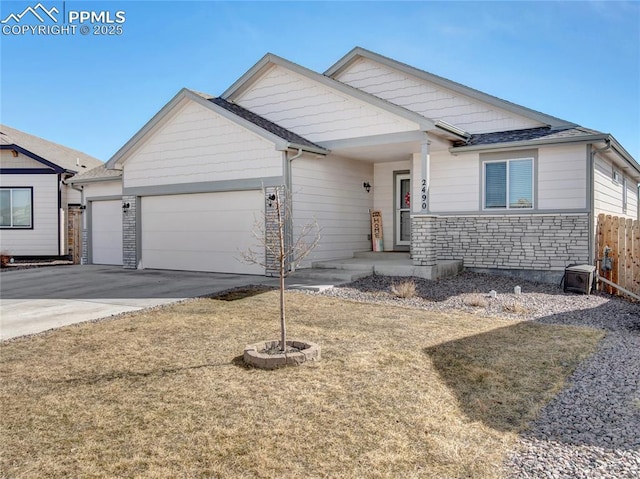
x=476, y=300
x=515, y=308
x=404, y=289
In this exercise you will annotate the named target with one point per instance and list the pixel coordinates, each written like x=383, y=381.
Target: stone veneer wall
x=130, y=233
x=423, y=240
x=84, y=240
x=271, y=228
x=513, y=242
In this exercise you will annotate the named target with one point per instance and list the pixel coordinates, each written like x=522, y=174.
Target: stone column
x=423, y=239
x=130, y=232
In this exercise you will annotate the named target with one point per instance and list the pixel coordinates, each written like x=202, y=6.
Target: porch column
x=421, y=178
x=423, y=224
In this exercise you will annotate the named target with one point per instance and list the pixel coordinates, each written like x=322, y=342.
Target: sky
x=576, y=60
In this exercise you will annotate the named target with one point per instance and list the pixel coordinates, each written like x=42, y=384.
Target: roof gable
x=52, y=155
x=270, y=62
x=280, y=137
x=434, y=96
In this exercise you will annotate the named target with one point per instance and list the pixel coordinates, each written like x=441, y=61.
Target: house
x=37, y=205
x=456, y=174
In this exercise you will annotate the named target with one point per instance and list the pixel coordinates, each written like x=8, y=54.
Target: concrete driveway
x=35, y=300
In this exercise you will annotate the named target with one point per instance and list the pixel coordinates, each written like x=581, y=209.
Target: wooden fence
x=622, y=235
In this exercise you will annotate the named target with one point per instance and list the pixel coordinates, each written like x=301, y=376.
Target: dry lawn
x=399, y=393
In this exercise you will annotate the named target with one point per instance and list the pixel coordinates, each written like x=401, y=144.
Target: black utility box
x=579, y=278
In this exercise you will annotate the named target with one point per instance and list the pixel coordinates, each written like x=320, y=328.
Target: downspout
x=592, y=206
x=59, y=217
x=288, y=182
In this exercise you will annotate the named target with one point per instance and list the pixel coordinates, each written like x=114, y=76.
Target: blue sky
x=579, y=61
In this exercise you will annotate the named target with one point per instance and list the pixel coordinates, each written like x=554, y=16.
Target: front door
x=403, y=209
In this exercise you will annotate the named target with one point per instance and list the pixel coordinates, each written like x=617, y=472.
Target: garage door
x=106, y=232
x=200, y=232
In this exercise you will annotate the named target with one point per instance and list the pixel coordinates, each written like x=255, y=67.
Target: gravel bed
x=591, y=429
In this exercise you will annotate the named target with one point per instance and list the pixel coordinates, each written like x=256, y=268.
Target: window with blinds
x=508, y=184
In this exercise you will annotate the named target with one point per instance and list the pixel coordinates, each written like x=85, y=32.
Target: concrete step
x=335, y=276
x=382, y=255
x=350, y=264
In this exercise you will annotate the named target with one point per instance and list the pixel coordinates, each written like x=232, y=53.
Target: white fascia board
x=249, y=76
x=425, y=124
x=279, y=143
x=81, y=181
x=182, y=97
x=353, y=55
x=115, y=162
x=374, y=140
x=526, y=143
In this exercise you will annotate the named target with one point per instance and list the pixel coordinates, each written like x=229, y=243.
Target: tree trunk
x=281, y=258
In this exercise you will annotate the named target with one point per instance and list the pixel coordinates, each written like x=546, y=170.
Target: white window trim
x=507, y=161
x=11, y=189
x=624, y=195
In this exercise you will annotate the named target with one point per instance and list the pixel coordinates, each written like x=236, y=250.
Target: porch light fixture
x=125, y=207
x=367, y=186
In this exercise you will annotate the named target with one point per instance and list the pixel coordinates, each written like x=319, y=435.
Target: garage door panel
x=200, y=232
x=106, y=232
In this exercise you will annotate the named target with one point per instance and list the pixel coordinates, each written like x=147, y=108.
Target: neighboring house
x=36, y=202
x=456, y=173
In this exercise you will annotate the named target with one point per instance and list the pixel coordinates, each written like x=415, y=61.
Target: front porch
x=325, y=274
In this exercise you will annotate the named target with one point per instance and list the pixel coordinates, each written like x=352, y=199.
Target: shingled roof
x=260, y=121
x=99, y=173
x=544, y=133
x=62, y=156
x=265, y=124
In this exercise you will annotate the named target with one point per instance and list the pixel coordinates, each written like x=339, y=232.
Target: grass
x=398, y=393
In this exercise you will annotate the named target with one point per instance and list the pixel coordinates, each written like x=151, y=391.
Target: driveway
x=35, y=300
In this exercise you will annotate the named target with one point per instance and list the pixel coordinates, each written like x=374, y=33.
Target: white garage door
x=106, y=232
x=201, y=232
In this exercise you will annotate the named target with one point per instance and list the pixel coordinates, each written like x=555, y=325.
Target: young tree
x=282, y=252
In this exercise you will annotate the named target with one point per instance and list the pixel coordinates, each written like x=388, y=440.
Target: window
x=508, y=184
x=16, y=207
x=615, y=176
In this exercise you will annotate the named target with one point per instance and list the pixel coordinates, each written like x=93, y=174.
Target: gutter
x=529, y=143
x=95, y=180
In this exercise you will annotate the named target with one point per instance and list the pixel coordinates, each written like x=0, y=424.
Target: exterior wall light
x=367, y=186
x=125, y=207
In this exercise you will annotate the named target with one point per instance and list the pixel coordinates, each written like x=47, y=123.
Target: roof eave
x=57, y=168
x=309, y=149
x=353, y=55
x=527, y=143
x=270, y=59
x=604, y=137
x=114, y=162
x=102, y=179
